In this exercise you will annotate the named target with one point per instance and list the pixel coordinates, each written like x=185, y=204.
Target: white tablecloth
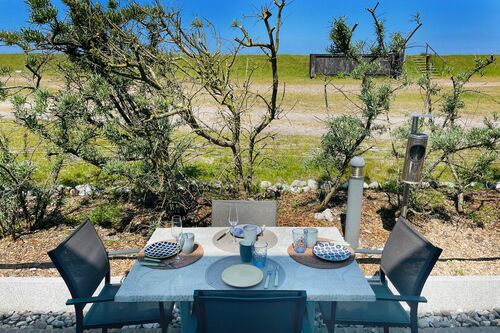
x=146, y=284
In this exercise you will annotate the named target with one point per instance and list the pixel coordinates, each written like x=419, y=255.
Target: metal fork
x=266, y=284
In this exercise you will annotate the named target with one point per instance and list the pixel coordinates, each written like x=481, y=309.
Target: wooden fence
x=330, y=65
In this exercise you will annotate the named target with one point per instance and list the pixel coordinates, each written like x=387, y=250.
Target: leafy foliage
x=25, y=204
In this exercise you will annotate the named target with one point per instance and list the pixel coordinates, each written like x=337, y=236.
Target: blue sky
x=450, y=26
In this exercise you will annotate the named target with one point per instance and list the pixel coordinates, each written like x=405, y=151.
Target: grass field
x=295, y=151
x=293, y=68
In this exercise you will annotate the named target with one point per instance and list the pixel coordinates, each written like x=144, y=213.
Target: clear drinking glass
x=233, y=220
x=259, y=254
x=299, y=244
x=176, y=230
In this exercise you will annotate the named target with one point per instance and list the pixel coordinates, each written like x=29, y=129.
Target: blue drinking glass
x=259, y=254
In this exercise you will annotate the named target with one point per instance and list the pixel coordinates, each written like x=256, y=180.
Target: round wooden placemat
x=170, y=263
x=309, y=259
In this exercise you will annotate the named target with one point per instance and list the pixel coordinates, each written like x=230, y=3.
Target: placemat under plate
x=226, y=244
x=214, y=272
x=187, y=259
x=309, y=259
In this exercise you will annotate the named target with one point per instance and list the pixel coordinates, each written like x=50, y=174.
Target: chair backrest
x=81, y=260
x=408, y=258
x=249, y=311
x=262, y=212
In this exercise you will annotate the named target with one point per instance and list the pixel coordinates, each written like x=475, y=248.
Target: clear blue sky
x=450, y=26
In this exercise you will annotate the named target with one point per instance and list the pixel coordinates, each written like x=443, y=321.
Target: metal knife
x=223, y=235
x=276, y=277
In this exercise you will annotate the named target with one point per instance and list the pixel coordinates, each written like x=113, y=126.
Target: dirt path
x=298, y=121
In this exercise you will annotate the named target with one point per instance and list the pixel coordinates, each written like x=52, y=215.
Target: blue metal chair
x=407, y=261
x=258, y=212
x=83, y=263
x=249, y=311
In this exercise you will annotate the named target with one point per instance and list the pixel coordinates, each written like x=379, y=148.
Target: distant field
x=293, y=68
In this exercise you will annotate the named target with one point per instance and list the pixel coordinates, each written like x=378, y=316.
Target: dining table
x=146, y=284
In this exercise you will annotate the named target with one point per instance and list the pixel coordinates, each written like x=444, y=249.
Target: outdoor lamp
x=354, y=201
x=414, y=161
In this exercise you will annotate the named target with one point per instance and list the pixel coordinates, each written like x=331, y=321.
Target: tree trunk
x=459, y=202
x=238, y=169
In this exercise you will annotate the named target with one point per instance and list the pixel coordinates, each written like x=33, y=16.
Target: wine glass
x=233, y=220
x=176, y=230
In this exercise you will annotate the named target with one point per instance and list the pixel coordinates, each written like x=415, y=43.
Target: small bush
x=25, y=204
x=107, y=215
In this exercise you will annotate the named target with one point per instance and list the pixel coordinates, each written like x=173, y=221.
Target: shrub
x=25, y=204
x=107, y=215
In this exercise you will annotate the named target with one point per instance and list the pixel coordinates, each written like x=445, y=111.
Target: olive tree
x=467, y=152
x=154, y=70
x=347, y=134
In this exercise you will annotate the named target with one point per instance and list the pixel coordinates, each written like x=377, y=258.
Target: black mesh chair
x=249, y=311
x=407, y=261
x=83, y=263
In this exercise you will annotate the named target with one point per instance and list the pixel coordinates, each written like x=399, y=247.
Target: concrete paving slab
x=444, y=293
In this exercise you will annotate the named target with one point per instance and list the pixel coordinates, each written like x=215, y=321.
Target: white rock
x=425, y=184
x=84, y=190
x=265, y=184
x=374, y=185
x=313, y=184
x=305, y=189
x=295, y=183
x=365, y=185
x=318, y=216
x=302, y=183
x=328, y=215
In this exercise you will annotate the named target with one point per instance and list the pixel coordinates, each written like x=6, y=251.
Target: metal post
x=406, y=186
x=354, y=201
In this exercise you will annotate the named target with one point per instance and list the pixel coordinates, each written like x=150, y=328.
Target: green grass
x=292, y=68
x=455, y=64
x=15, y=61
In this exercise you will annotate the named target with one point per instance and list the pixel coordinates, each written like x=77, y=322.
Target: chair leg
x=414, y=317
x=104, y=330
x=330, y=325
x=79, y=318
x=163, y=319
x=386, y=329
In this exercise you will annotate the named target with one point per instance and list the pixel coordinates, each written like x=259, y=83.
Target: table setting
x=250, y=263
x=252, y=268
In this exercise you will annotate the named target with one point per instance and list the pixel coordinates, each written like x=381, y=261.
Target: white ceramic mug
x=188, y=245
x=311, y=236
x=250, y=232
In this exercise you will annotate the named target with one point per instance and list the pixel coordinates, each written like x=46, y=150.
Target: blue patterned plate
x=160, y=250
x=331, y=251
x=238, y=230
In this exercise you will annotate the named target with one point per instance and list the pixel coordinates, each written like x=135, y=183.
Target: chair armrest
x=122, y=252
x=84, y=300
x=373, y=279
x=402, y=298
x=369, y=251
